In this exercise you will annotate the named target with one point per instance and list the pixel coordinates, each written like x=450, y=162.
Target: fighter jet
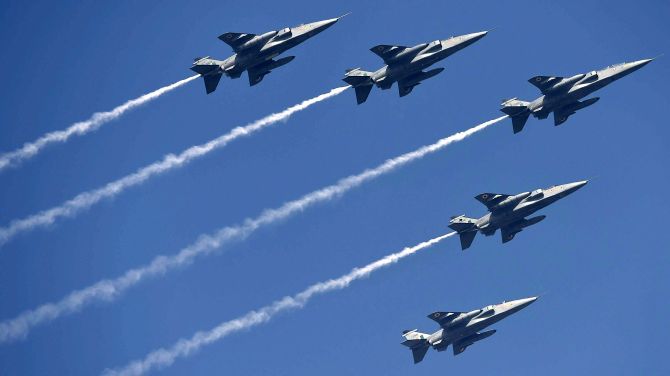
x=508, y=212
x=255, y=53
x=561, y=95
x=460, y=329
x=405, y=65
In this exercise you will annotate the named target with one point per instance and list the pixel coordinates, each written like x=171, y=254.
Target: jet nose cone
x=572, y=187
x=580, y=184
x=642, y=63
x=330, y=22
x=635, y=65
x=476, y=36
x=523, y=303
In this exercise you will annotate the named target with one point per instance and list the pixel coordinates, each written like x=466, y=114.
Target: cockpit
x=591, y=76
x=435, y=45
x=487, y=312
x=536, y=194
x=283, y=34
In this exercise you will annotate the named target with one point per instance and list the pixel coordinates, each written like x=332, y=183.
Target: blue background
x=601, y=257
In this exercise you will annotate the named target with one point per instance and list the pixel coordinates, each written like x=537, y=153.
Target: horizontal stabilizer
x=361, y=81
x=466, y=228
x=466, y=239
x=514, y=106
x=519, y=121
x=212, y=81
x=462, y=223
x=362, y=93
x=205, y=65
x=418, y=353
x=357, y=76
x=417, y=342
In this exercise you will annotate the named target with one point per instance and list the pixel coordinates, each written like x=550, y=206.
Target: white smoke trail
x=87, y=199
x=108, y=289
x=185, y=347
x=30, y=149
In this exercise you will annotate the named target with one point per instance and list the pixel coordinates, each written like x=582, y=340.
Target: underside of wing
x=256, y=75
x=544, y=82
x=235, y=40
x=508, y=233
x=458, y=347
x=561, y=115
x=387, y=52
x=491, y=199
x=404, y=88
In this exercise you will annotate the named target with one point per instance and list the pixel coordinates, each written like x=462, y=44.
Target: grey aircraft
x=561, y=95
x=461, y=329
x=405, y=65
x=508, y=212
x=256, y=53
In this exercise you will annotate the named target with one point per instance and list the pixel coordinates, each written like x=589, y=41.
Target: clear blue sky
x=601, y=256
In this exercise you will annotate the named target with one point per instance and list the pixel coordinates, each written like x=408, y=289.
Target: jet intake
x=467, y=341
x=527, y=222
x=417, y=78
x=278, y=63
x=508, y=202
x=579, y=105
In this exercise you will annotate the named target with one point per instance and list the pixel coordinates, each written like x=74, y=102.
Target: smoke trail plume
x=108, y=289
x=87, y=199
x=30, y=149
x=186, y=347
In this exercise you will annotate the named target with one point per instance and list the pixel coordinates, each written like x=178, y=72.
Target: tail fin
x=417, y=342
x=518, y=111
x=361, y=81
x=466, y=228
x=210, y=71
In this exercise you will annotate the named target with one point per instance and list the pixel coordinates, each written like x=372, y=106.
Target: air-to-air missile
x=561, y=95
x=256, y=53
x=405, y=65
x=461, y=329
x=508, y=212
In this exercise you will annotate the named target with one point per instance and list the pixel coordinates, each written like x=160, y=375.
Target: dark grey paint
x=255, y=53
x=562, y=95
x=461, y=329
x=405, y=65
x=508, y=212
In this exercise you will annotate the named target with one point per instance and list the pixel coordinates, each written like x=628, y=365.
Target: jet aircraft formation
x=406, y=66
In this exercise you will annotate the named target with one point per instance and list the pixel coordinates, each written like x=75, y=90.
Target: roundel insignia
x=229, y=36
x=436, y=314
x=380, y=48
x=538, y=79
x=485, y=196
